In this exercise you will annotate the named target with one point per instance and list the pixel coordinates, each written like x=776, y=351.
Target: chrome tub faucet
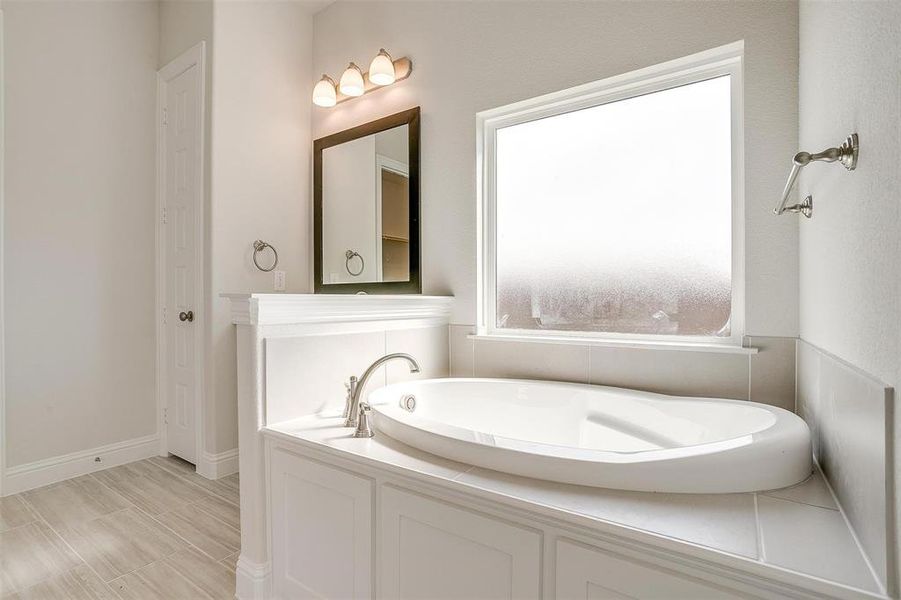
x=355, y=411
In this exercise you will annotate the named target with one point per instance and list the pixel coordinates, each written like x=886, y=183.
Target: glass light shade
x=324, y=93
x=381, y=70
x=352, y=81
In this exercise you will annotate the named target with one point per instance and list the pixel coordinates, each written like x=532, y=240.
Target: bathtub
x=598, y=436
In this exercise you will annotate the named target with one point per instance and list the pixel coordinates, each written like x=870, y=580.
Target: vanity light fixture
x=324, y=93
x=352, y=81
x=383, y=71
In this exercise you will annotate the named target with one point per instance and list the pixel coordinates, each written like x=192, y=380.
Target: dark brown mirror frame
x=414, y=284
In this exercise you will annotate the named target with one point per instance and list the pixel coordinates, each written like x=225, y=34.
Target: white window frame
x=725, y=60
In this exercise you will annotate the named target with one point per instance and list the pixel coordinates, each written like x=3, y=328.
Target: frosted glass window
x=618, y=217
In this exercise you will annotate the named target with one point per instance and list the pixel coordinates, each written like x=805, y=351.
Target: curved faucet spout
x=353, y=410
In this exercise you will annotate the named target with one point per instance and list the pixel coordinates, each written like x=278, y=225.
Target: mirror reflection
x=366, y=209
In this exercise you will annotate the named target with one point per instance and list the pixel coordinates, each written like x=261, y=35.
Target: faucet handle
x=363, y=428
x=351, y=386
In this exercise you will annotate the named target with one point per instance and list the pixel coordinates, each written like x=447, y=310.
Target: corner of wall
x=259, y=176
x=2, y=261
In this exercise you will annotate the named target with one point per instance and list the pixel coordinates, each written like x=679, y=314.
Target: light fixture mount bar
x=402, y=69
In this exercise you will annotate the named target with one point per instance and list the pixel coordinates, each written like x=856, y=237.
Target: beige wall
x=80, y=96
x=80, y=204
x=474, y=56
x=260, y=172
x=850, y=273
x=183, y=24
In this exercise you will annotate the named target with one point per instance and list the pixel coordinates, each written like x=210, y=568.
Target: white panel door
x=585, y=573
x=182, y=200
x=430, y=549
x=321, y=530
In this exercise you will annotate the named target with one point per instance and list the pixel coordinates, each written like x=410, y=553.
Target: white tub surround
x=294, y=353
x=851, y=414
x=766, y=376
x=350, y=512
x=599, y=436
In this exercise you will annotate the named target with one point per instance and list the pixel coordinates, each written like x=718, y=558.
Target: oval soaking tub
x=599, y=436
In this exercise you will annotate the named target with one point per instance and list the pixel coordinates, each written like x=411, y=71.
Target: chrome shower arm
x=846, y=153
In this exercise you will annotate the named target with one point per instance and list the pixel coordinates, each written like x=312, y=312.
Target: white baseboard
x=58, y=468
x=253, y=581
x=214, y=466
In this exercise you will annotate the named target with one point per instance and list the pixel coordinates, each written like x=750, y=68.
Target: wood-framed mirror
x=366, y=208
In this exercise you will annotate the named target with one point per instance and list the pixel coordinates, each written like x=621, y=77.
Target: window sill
x=609, y=343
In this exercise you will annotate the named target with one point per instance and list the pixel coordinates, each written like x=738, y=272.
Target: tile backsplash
x=526, y=360
x=767, y=377
x=772, y=371
x=672, y=372
x=305, y=374
x=850, y=417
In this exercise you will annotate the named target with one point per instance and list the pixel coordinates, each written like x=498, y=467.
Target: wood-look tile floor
x=148, y=530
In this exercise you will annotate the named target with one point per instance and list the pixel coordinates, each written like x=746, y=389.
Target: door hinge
x=164, y=215
x=165, y=315
x=165, y=416
x=165, y=116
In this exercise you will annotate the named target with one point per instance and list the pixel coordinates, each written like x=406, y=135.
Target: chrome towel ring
x=258, y=247
x=348, y=256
